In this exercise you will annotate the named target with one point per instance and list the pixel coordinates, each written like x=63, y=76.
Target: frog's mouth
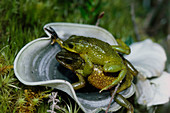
x=66, y=59
x=69, y=49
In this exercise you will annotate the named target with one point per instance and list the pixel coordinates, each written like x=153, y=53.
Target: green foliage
x=29, y=100
x=70, y=109
x=7, y=86
x=117, y=18
x=22, y=21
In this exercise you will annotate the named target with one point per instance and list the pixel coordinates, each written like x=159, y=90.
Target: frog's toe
x=102, y=90
x=105, y=88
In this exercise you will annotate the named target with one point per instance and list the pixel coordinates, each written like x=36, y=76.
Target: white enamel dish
x=35, y=65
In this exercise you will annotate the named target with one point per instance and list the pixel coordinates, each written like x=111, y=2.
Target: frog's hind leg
x=115, y=68
x=123, y=102
x=81, y=83
x=121, y=47
x=127, y=83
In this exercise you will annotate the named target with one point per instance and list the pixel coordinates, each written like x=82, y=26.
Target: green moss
x=22, y=21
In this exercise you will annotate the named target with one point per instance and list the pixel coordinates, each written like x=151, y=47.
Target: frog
x=95, y=52
x=74, y=62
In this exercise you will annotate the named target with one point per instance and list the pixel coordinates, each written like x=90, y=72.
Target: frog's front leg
x=123, y=102
x=115, y=68
x=54, y=37
x=121, y=47
x=88, y=67
x=81, y=83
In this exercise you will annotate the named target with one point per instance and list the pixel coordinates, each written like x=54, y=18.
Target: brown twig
x=113, y=95
x=99, y=17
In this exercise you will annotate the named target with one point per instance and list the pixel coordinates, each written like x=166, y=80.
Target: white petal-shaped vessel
x=150, y=58
x=35, y=64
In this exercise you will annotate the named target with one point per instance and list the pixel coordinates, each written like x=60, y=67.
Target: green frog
x=97, y=78
x=96, y=52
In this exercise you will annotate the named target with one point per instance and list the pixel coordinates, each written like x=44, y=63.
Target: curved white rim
x=43, y=83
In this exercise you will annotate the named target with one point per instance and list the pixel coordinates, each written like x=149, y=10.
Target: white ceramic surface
x=35, y=64
x=153, y=83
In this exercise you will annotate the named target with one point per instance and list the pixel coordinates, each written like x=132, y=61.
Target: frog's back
x=95, y=44
x=98, y=50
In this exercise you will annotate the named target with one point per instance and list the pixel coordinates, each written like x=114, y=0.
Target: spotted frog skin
x=96, y=52
x=97, y=60
x=97, y=78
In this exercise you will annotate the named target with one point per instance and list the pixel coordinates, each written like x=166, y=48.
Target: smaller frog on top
x=96, y=52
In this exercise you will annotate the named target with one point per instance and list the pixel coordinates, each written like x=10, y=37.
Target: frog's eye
x=70, y=45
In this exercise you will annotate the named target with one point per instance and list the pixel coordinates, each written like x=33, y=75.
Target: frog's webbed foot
x=81, y=83
x=54, y=36
x=121, y=47
x=123, y=102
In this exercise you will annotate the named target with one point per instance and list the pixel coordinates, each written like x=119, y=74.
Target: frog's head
x=69, y=59
x=74, y=44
